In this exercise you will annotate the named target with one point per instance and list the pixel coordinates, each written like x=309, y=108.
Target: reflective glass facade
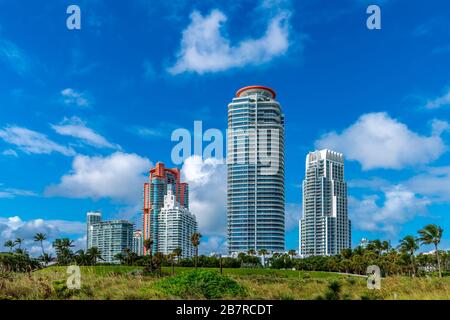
x=255, y=195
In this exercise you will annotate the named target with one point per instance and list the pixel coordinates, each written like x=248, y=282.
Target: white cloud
x=158, y=130
x=204, y=48
x=435, y=183
x=10, y=152
x=400, y=205
x=14, y=227
x=439, y=127
x=73, y=97
x=439, y=102
x=12, y=55
x=374, y=183
x=379, y=141
x=213, y=244
x=12, y=193
x=32, y=142
x=207, y=193
x=119, y=176
x=76, y=128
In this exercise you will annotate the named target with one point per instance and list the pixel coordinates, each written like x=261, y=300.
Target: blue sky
x=85, y=113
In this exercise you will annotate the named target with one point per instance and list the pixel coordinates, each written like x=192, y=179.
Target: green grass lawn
x=87, y=270
x=123, y=270
x=123, y=282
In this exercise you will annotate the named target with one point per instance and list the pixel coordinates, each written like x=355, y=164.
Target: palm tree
x=241, y=256
x=41, y=237
x=64, y=254
x=292, y=253
x=171, y=257
x=432, y=234
x=159, y=259
x=82, y=258
x=120, y=256
x=10, y=244
x=409, y=245
x=263, y=253
x=251, y=252
x=385, y=245
x=127, y=253
x=346, y=253
x=46, y=258
x=66, y=242
x=375, y=246
x=195, y=239
x=148, y=244
x=177, y=252
x=94, y=254
x=19, y=242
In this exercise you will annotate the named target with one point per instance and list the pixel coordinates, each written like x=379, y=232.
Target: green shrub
x=286, y=296
x=201, y=284
x=371, y=295
x=333, y=291
x=351, y=280
x=62, y=291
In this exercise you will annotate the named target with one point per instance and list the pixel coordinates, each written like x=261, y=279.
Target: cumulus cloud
x=119, y=176
x=378, y=141
x=14, y=227
x=75, y=98
x=205, y=48
x=400, y=205
x=439, y=102
x=75, y=127
x=32, y=142
x=207, y=193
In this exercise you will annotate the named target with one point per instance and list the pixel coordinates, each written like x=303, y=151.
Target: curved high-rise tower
x=255, y=167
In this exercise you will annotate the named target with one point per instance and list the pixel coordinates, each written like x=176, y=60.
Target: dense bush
x=214, y=262
x=201, y=284
x=18, y=262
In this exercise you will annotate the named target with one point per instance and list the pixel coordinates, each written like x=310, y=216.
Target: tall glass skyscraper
x=255, y=167
x=324, y=228
x=161, y=179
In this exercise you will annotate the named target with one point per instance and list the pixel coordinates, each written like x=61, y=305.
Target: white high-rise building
x=138, y=242
x=175, y=227
x=93, y=217
x=109, y=237
x=324, y=227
